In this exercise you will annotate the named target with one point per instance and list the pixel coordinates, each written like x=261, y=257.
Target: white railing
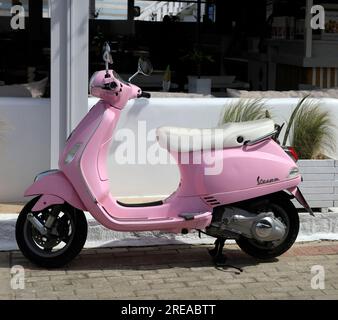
x=157, y=11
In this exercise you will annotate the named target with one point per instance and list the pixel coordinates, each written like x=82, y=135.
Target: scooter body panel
x=88, y=174
x=54, y=188
x=235, y=174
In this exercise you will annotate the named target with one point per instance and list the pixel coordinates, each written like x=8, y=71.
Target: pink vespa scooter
x=249, y=200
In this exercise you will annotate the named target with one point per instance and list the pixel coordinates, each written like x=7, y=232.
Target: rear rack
x=274, y=134
x=260, y=139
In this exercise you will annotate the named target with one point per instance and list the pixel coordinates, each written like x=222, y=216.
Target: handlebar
x=144, y=95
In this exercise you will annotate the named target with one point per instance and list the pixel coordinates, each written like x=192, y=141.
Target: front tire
x=284, y=210
x=64, y=240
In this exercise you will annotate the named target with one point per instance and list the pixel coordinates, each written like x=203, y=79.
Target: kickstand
x=219, y=257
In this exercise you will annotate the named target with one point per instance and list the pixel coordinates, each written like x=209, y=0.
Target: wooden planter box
x=320, y=182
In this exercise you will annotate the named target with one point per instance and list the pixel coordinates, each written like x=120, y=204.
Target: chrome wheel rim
x=59, y=237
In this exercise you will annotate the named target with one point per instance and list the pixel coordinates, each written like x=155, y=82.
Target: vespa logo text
x=265, y=181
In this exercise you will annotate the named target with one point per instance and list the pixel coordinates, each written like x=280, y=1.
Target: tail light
x=292, y=153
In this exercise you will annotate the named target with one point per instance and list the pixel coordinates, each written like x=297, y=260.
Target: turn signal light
x=292, y=153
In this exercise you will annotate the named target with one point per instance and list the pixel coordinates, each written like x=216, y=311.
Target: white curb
x=324, y=226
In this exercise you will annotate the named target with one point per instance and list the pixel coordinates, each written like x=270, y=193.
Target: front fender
x=54, y=188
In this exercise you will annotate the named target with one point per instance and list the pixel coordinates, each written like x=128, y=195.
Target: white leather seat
x=229, y=135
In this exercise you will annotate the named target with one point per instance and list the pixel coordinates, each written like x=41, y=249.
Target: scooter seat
x=229, y=135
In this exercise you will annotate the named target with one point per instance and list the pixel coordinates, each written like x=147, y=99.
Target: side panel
x=87, y=170
x=54, y=187
x=237, y=174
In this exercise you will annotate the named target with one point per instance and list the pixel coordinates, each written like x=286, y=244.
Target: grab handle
x=260, y=139
x=144, y=95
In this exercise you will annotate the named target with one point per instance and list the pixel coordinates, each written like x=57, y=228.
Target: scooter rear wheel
x=64, y=241
x=286, y=212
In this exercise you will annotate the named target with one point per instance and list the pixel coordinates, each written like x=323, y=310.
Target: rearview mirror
x=137, y=11
x=144, y=67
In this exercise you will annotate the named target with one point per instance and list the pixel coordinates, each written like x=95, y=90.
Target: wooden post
x=92, y=9
x=308, y=29
x=131, y=4
x=198, y=24
x=35, y=36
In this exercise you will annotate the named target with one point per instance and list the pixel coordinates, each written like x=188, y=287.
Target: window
x=111, y=9
x=25, y=49
x=46, y=9
x=6, y=5
x=182, y=11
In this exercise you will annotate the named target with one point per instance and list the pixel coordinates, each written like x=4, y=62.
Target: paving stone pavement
x=175, y=272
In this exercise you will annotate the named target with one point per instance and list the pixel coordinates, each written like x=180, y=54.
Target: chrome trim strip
x=45, y=173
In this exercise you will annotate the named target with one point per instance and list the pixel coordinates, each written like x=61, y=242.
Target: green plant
x=245, y=110
x=293, y=115
x=312, y=130
x=198, y=58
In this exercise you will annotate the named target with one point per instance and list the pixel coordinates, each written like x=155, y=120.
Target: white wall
x=26, y=149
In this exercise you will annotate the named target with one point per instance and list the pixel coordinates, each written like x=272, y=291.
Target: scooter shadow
x=157, y=258
x=163, y=257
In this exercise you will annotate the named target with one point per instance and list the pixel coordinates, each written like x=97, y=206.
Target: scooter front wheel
x=53, y=237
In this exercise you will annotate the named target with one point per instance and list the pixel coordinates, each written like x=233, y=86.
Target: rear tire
x=282, y=208
x=72, y=226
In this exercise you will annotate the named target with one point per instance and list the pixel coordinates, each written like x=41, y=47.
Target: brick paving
x=176, y=272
